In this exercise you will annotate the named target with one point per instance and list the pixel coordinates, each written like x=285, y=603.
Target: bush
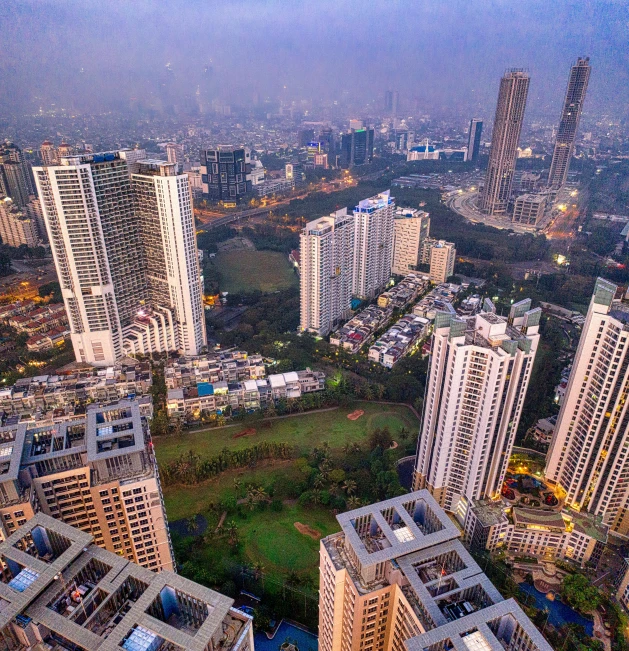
x=277, y=506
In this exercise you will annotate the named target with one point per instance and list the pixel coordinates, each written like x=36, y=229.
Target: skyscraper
x=391, y=102
x=373, y=244
x=479, y=372
x=48, y=153
x=514, y=88
x=569, y=123
x=442, y=258
x=473, y=139
x=357, y=147
x=102, y=230
x=410, y=230
x=326, y=271
x=588, y=453
x=174, y=153
x=15, y=175
x=226, y=173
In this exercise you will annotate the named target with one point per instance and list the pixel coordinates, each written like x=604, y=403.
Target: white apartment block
x=479, y=373
x=326, y=271
x=107, y=234
x=410, y=228
x=441, y=258
x=16, y=227
x=373, y=244
x=397, y=578
x=588, y=453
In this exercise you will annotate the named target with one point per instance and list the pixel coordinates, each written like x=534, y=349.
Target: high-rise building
x=373, y=244
x=63, y=592
x=529, y=209
x=397, y=578
x=479, y=373
x=514, y=87
x=103, y=228
x=174, y=153
x=226, y=173
x=442, y=258
x=411, y=228
x=132, y=157
x=326, y=271
x=16, y=226
x=48, y=153
x=97, y=473
x=328, y=141
x=587, y=455
x=473, y=139
x=569, y=123
x=15, y=175
x=304, y=136
x=64, y=150
x=357, y=147
x=391, y=102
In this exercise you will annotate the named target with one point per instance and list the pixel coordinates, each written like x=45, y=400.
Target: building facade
x=16, y=227
x=528, y=209
x=107, y=234
x=397, y=578
x=514, y=87
x=357, y=147
x=373, y=244
x=479, y=373
x=474, y=135
x=587, y=455
x=226, y=173
x=326, y=271
x=442, y=258
x=61, y=591
x=569, y=122
x=411, y=227
x=96, y=472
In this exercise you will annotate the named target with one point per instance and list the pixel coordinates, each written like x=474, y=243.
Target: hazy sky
x=444, y=52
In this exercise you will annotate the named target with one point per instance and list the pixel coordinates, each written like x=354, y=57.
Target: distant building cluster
x=404, y=292
x=47, y=325
x=211, y=387
x=440, y=299
x=22, y=225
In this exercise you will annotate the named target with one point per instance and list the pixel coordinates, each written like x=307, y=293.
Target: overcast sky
x=444, y=52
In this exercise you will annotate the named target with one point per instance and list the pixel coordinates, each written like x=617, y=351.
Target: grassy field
x=248, y=271
x=305, y=431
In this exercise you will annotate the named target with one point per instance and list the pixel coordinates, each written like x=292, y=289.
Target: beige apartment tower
x=96, y=473
x=514, y=87
x=397, y=578
x=587, y=455
x=411, y=227
x=480, y=368
x=442, y=258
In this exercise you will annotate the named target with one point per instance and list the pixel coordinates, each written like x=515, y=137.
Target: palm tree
x=191, y=524
x=316, y=496
x=353, y=503
x=368, y=393
x=350, y=486
x=379, y=390
x=404, y=433
x=258, y=569
x=318, y=481
x=232, y=532
x=237, y=485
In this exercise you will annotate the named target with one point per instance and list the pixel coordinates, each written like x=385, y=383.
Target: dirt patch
x=251, y=431
x=355, y=415
x=394, y=445
x=307, y=531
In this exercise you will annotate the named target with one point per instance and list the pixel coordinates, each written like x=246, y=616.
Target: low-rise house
x=399, y=340
x=360, y=329
x=232, y=366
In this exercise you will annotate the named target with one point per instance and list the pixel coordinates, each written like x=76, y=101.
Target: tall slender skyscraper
x=473, y=139
x=569, y=123
x=479, y=372
x=588, y=454
x=514, y=88
x=108, y=235
x=326, y=271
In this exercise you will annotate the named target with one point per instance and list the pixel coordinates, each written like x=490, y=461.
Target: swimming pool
x=304, y=641
x=559, y=613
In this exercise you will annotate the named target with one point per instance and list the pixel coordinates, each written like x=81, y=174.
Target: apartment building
x=231, y=366
x=373, y=244
x=62, y=591
x=16, y=226
x=547, y=534
x=587, y=455
x=326, y=271
x=440, y=255
x=124, y=244
x=397, y=578
x=411, y=227
x=622, y=593
x=223, y=398
x=97, y=473
x=60, y=397
x=479, y=373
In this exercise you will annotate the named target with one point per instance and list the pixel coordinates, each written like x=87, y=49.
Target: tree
x=353, y=503
x=580, y=593
x=380, y=438
x=232, y=533
x=350, y=487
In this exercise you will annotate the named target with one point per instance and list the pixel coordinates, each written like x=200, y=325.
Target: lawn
x=305, y=431
x=247, y=271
